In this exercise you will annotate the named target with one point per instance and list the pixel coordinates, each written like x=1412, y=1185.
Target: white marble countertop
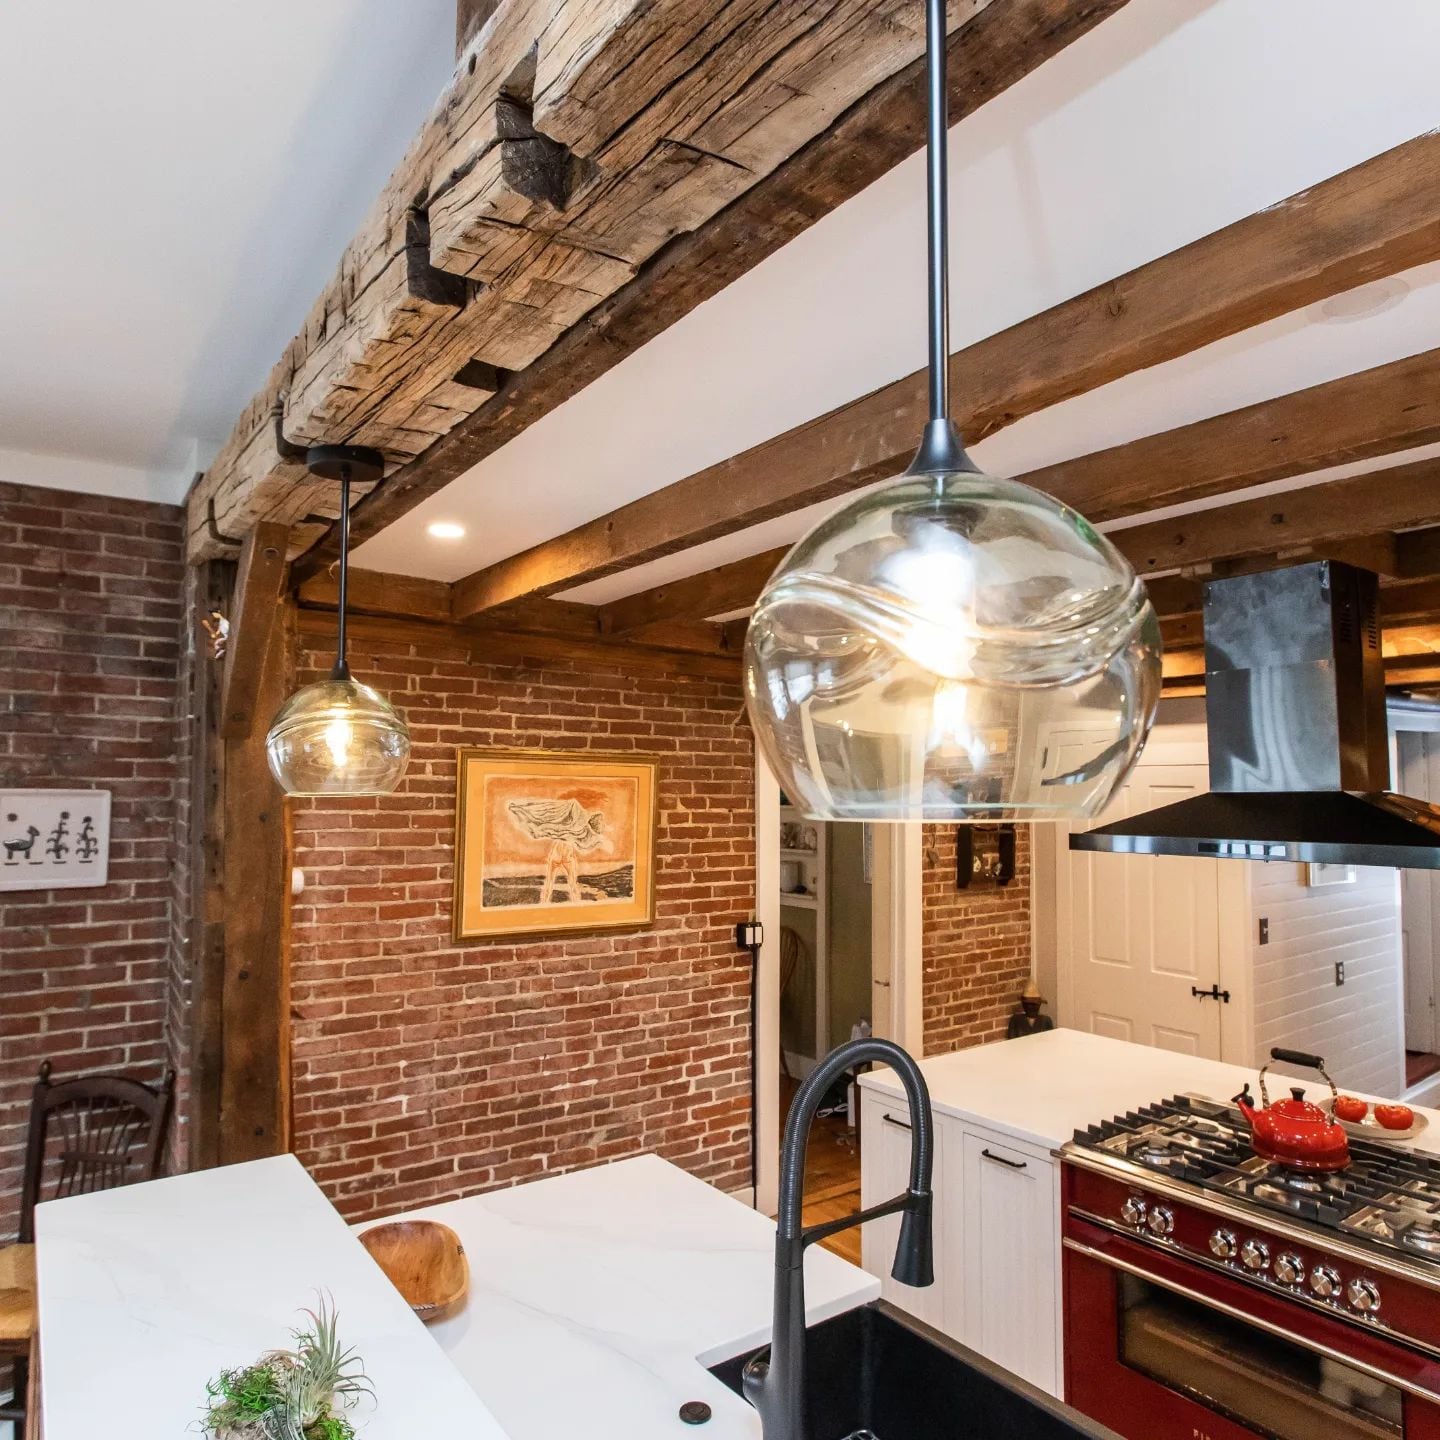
x=598, y=1298
x=148, y=1292
x=1042, y=1088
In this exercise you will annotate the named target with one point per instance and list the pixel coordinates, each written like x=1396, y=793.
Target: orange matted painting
x=550, y=842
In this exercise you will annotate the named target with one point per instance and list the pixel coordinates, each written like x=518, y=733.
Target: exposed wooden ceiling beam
x=404, y=597
x=1001, y=44
x=577, y=138
x=711, y=592
x=1376, y=412
x=480, y=646
x=1378, y=218
x=1399, y=498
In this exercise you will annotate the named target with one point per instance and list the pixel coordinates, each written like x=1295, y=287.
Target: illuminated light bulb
x=338, y=736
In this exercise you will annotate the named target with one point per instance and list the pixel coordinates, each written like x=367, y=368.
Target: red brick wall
x=427, y=1069
x=976, y=948
x=89, y=618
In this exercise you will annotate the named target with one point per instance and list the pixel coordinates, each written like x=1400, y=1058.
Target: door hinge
x=1213, y=993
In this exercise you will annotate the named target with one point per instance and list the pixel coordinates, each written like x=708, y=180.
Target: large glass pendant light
x=337, y=736
x=951, y=646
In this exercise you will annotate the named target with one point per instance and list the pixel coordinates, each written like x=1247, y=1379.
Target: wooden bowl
x=425, y=1262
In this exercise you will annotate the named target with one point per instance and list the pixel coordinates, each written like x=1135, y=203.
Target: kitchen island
x=596, y=1301
x=1002, y=1111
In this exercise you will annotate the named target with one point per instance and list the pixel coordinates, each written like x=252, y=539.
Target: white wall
x=1357, y=1027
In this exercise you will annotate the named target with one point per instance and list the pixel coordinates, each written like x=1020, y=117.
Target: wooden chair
x=90, y=1133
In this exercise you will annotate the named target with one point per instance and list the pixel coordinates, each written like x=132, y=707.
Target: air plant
x=297, y=1394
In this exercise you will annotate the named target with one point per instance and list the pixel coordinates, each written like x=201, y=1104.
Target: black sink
x=877, y=1369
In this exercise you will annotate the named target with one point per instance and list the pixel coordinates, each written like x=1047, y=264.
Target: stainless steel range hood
x=1295, y=715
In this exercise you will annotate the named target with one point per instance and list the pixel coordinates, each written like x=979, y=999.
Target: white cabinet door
x=885, y=1173
x=1003, y=1280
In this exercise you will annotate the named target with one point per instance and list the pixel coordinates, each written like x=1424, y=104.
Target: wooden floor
x=1420, y=1065
x=832, y=1176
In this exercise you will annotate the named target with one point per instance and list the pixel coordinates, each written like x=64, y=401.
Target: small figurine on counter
x=1029, y=1021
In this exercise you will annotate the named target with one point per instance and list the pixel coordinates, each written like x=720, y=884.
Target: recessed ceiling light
x=445, y=530
x=1363, y=301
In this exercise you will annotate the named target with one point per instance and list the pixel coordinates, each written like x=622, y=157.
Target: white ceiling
x=180, y=177
x=1172, y=119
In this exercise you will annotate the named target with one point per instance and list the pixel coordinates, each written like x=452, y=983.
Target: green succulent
x=291, y=1394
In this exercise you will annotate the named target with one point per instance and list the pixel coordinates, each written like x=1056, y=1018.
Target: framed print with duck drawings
x=549, y=842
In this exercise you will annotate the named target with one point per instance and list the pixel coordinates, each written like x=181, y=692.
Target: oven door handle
x=1316, y=1347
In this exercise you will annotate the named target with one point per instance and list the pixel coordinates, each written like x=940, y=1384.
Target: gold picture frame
x=552, y=842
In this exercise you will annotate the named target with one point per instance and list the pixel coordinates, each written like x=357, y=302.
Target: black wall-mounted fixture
x=974, y=858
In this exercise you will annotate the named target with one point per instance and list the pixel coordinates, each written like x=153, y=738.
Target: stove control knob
x=1132, y=1212
x=1325, y=1282
x=1255, y=1255
x=1289, y=1268
x=1224, y=1245
x=1363, y=1295
x=1161, y=1221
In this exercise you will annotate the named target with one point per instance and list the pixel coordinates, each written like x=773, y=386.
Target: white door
x=1138, y=935
x=1419, y=756
x=1008, y=1257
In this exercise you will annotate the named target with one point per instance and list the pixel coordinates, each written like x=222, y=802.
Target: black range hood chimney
x=1295, y=717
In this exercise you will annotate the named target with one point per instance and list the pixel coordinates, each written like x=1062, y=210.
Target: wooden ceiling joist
x=1400, y=498
x=1378, y=218
x=711, y=592
x=577, y=139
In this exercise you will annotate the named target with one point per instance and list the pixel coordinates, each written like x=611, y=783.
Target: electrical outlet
x=1264, y=930
x=1339, y=972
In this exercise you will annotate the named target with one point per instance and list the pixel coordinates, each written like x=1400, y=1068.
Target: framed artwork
x=54, y=839
x=549, y=842
x=1317, y=873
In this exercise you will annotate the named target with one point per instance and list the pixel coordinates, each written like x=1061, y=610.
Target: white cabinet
x=1002, y=1287
x=997, y=1237
x=885, y=1173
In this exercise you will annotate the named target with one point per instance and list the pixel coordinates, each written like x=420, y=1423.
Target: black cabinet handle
x=898, y=1124
x=1001, y=1160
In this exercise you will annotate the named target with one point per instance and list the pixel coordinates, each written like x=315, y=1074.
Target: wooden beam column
x=239, y=857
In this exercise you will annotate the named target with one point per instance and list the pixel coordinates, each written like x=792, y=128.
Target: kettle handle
x=1296, y=1057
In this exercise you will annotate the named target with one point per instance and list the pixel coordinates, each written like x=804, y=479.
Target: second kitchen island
x=1002, y=1111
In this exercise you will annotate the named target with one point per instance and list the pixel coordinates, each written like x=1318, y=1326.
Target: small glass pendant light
x=952, y=646
x=337, y=736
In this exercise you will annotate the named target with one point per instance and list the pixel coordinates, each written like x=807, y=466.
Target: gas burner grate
x=1391, y=1196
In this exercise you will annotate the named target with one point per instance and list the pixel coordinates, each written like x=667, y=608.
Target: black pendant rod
x=342, y=668
x=941, y=450
x=938, y=216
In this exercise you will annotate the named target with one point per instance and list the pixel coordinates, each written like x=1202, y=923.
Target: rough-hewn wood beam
x=577, y=138
x=470, y=15
x=711, y=592
x=254, y=614
x=1002, y=43
x=404, y=597
x=481, y=645
x=1378, y=218
x=1376, y=412
x=1399, y=498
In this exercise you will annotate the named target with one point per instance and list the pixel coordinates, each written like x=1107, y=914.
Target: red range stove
x=1214, y=1295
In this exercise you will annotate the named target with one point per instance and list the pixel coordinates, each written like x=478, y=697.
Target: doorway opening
x=827, y=995
x=1417, y=771
x=840, y=907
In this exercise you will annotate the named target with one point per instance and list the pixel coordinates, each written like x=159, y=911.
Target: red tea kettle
x=1295, y=1132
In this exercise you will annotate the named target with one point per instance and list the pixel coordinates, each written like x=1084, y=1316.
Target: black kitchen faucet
x=775, y=1383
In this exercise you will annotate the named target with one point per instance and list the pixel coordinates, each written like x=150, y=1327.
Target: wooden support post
x=255, y=1068
x=239, y=995
x=258, y=584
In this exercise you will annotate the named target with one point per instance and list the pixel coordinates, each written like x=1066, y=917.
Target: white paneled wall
x=1358, y=1027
